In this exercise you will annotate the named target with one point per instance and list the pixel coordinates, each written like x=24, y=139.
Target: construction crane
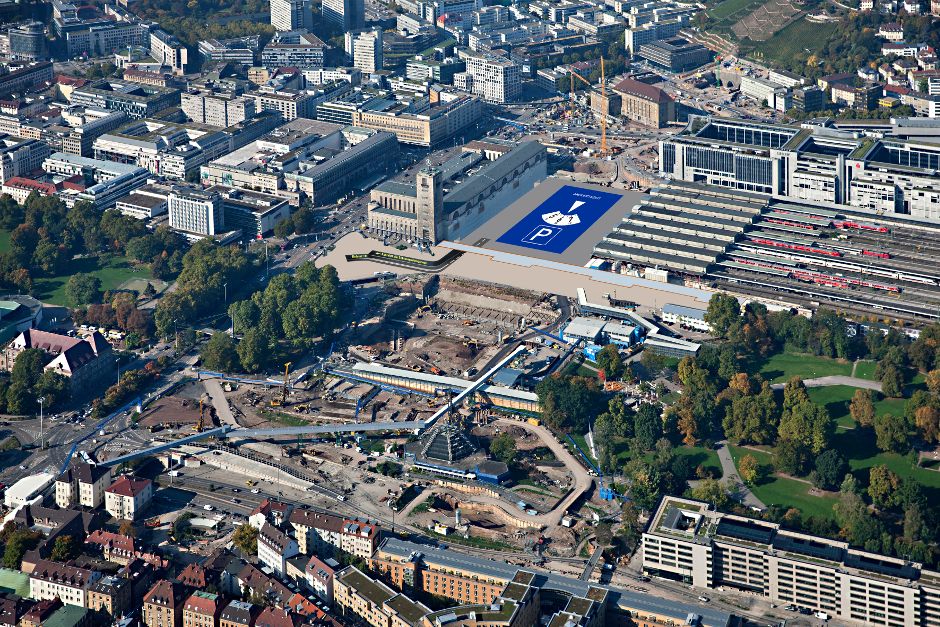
x=603, y=103
x=286, y=383
x=198, y=427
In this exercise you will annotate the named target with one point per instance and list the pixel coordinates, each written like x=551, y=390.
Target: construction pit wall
x=498, y=512
x=242, y=466
x=427, y=384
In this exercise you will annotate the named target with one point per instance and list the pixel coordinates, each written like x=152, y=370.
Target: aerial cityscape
x=470, y=313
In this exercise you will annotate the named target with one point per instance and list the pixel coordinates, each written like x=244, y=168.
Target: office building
x=28, y=42
x=19, y=156
x=636, y=37
x=327, y=75
x=496, y=79
x=167, y=50
x=645, y=104
x=759, y=89
x=293, y=49
x=809, y=99
x=425, y=213
x=82, y=484
x=216, y=108
x=347, y=14
x=890, y=175
x=675, y=54
x=290, y=103
x=86, y=363
x=290, y=15
x=241, y=50
x=105, y=181
x=689, y=541
x=433, y=127
x=196, y=211
x=24, y=77
x=137, y=101
x=104, y=37
x=787, y=79
x=364, y=49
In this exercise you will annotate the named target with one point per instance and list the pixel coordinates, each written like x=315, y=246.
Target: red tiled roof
x=194, y=575
x=112, y=541
x=200, y=604
x=166, y=593
x=273, y=617
x=126, y=486
x=18, y=182
x=642, y=90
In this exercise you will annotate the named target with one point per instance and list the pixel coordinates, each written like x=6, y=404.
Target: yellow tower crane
x=603, y=103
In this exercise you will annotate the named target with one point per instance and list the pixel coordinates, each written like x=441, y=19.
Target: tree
x=284, y=228
x=883, y=483
x=254, y=350
x=763, y=103
x=192, y=175
x=20, y=400
x=603, y=534
x=645, y=489
x=831, y=466
x=913, y=522
x=648, y=426
x=794, y=393
x=751, y=419
x=808, y=424
x=892, y=383
x=891, y=433
x=723, y=314
x=128, y=529
x=749, y=468
x=790, y=456
x=18, y=544
x=28, y=367
x=503, y=448
x=933, y=381
x=246, y=538
x=710, y=491
x=65, y=549
x=83, y=289
x=927, y=420
x=862, y=408
x=219, y=353
x=608, y=360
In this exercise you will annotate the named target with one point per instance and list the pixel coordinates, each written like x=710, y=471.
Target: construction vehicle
x=436, y=370
x=286, y=383
x=474, y=343
x=416, y=368
x=468, y=323
x=425, y=308
x=198, y=426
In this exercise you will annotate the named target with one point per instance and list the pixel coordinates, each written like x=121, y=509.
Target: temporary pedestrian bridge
x=230, y=431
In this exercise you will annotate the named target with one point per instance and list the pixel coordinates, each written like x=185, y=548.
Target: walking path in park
x=837, y=379
x=740, y=492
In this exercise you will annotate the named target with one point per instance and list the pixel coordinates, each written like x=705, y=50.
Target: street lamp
x=118, y=362
x=226, y=293
x=176, y=331
x=42, y=438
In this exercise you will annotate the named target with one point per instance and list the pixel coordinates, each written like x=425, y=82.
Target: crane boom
x=603, y=104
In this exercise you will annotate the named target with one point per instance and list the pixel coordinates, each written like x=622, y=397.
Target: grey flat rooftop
x=577, y=253
x=688, y=312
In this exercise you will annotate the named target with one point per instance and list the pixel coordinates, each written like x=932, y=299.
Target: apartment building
x=217, y=108
x=347, y=14
x=323, y=534
x=280, y=617
x=274, y=548
x=111, y=595
x=293, y=49
x=319, y=577
x=364, y=49
x=70, y=584
x=495, y=78
x=167, y=50
x=113, y=547
x=239, y=614
x=203, y=609
x=39, y=613
x=688, y=541
x=82, y=484
x=163, y=605
x=360, y=598
x=127, y=498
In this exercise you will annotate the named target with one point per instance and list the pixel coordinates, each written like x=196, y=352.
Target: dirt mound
x=595, y=167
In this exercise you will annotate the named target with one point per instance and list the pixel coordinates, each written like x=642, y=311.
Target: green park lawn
x=5, y=241
x=785, y=492
x=780, y=367
x=866, y=370
x=698, y=456
x=836, y=399
x=112, y=272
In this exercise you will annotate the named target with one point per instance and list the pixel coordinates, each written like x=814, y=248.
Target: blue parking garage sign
x=556, y=223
